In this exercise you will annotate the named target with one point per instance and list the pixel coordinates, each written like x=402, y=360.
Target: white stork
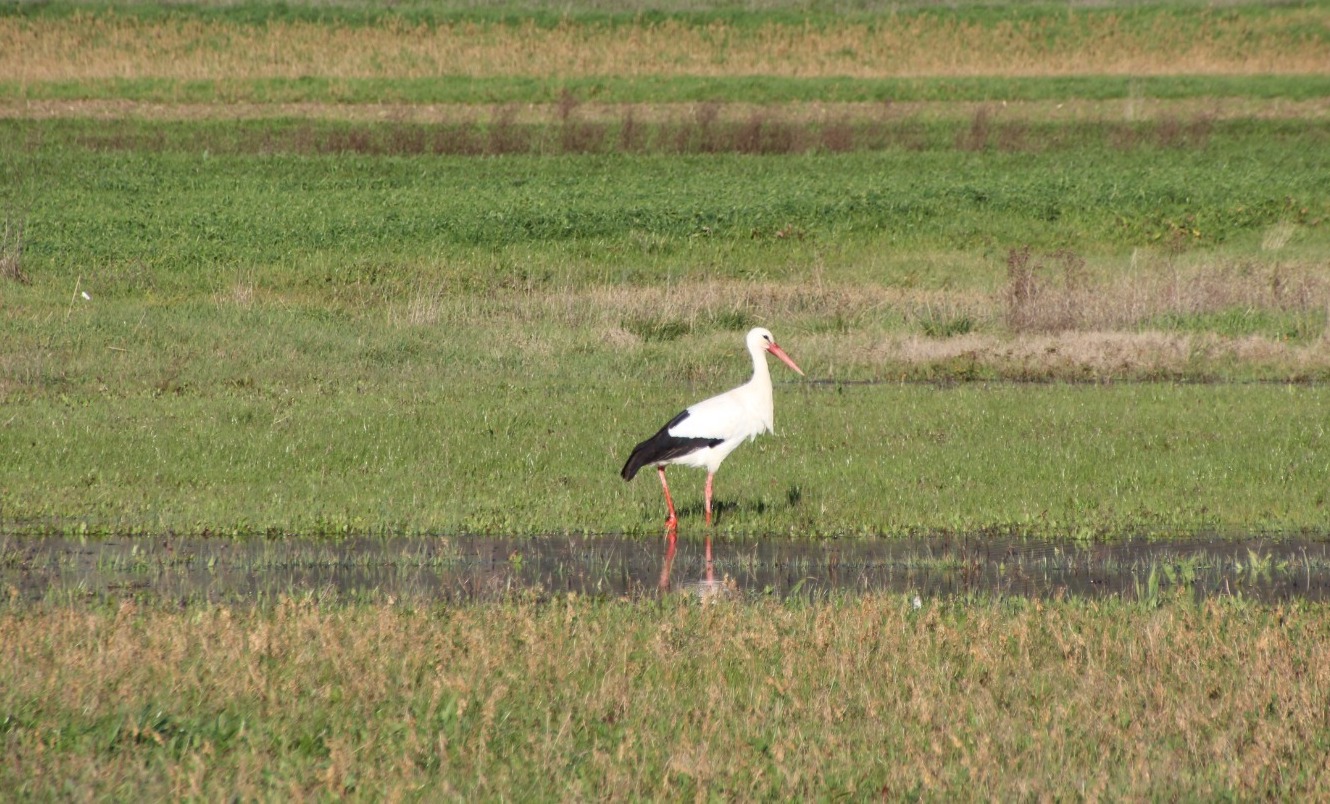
x=704, y=434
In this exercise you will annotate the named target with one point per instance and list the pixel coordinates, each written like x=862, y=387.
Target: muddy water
x=469, y=569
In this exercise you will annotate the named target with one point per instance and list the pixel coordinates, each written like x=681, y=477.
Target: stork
x=706, y=433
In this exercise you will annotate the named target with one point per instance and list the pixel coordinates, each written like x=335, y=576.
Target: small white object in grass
x=917, y=603
x=85, y=295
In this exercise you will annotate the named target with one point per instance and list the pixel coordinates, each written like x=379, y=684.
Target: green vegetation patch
x=178, y=199
x=1242, y=321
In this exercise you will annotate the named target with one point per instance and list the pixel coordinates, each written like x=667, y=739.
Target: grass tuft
x=11, y=251
x=1046, y=292
x=657, y=330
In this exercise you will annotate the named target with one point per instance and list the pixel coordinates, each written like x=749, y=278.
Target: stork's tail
x=662, y=448
x=636, y=461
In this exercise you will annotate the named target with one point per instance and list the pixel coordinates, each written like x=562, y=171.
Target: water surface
x=479, y=569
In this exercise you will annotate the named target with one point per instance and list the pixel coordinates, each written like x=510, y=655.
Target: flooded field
x=477, y=569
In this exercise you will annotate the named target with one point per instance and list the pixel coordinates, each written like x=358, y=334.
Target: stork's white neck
x=758, y=393
x=761, y=372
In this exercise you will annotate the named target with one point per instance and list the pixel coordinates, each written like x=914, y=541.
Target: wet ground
x=471, y=569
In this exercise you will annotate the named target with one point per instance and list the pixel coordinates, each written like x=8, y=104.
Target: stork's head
x=760, y=340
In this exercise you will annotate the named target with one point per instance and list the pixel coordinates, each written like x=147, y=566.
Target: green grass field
x=302, y=340
x=311, y=270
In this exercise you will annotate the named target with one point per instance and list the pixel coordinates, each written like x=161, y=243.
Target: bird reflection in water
x=708, y=586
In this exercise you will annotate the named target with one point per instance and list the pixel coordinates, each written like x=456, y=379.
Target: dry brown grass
x=242, y=293
x=1055, y=291
x=696, y=303
x=825, y=114
x=1050, y=293
x=625, y=701
x=1094, y=355
x=90, y=47
x=1123, y=326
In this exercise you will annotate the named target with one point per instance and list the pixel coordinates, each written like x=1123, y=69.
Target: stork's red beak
x=779, y=352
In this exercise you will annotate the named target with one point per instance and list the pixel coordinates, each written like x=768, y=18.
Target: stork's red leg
x=709, y=476
x=671, y=521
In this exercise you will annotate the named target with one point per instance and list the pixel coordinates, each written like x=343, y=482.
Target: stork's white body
x=738, y=415
x=706, y=433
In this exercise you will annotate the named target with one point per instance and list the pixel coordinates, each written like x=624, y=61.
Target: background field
x=318, y=269
x=278, y=311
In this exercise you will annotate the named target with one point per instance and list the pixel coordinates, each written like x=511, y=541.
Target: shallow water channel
x=467, y=569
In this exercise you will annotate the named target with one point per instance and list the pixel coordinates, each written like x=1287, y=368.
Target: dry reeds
x=1044, y=293
x=572, y=126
